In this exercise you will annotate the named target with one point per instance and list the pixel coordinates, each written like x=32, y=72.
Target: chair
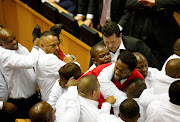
x=89, y=36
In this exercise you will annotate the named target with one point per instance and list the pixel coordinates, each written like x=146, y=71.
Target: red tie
x=104, y=13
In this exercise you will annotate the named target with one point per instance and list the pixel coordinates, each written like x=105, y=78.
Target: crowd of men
x=132, y=76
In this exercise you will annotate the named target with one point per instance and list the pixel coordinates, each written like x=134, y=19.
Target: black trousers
x=23, y=107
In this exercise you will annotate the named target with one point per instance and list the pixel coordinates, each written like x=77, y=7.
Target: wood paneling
x=21, y=19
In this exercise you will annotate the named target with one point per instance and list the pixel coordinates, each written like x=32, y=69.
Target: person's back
x=163, y=81
x=166, y=111
x=65, y=73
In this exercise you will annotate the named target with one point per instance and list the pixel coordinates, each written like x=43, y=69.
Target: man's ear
x=94, y=95
x=94, y=61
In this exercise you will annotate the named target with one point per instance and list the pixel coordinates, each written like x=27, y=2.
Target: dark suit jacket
x=118, y=13
x=156, y=25
x=136, y=45
x=86, y=6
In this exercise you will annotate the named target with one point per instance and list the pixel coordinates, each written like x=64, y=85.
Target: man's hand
x=36, y=42
x=79, y=18
x=110, y=100
x=71, y=82
x=9, y=107
x=148, y=3
x=88, y=22
x=68, y=59
x=52, y=1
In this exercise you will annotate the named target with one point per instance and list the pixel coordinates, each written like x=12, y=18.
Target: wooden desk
x=21, y=19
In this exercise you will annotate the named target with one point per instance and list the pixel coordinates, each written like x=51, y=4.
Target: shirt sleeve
x=53, y=65
x=54, y=95
x=68, y=106
x=1, y=105
x=108, y=88
x=15, y=60
x=104, y=115
x=3, y=89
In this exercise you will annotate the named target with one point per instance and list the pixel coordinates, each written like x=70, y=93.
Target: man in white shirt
x=65, y=73
x=68, y=105
x=148, y=72
x=89, y=92
x=176, y=54
x=166, y=111
x=16, y=65
x=129, y=110
x=48, y=64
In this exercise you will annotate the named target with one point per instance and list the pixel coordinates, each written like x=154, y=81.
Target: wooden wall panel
x=22, y=19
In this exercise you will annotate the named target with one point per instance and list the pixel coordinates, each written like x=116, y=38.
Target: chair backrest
x=89, y=36
x=50, y=12
x=70, y=24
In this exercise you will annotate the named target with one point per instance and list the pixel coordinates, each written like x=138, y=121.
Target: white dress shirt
x=163, y=111
x=149, y=79
x=162, y=83
x=3, y=91
x=47, y=72
x=55, y=94
x=17, y=69
x=107, y=87
x=105, y=116
x=68, y=106
x=148, y=96
x=115, y=55
x=141, y=109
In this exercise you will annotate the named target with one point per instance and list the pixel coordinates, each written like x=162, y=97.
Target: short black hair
x=129, y=59
x=110, y=28
x=129, y=109
x=69, y=70
x=94, y=48
x=174, y=92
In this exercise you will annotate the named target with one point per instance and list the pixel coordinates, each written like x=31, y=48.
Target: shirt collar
x=173, y=106
x=92, y=102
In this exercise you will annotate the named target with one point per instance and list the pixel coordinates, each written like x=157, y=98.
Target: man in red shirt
x=114, y=77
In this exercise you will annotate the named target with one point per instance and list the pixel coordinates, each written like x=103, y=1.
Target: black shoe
x=36, y=32
x=56, y=28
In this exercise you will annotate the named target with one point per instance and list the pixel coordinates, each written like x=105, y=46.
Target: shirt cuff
x=120, y=28
x=1, y=105
x=79, y=14
x=89, y=16
x=106, y=107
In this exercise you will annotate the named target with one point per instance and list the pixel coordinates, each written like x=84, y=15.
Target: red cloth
x=62, y=54
x=96, y=71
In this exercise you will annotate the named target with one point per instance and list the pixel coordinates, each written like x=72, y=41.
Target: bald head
x=88, y=87
x=129, y=110
x=135, y=88
x=8, y=39
x=142, y=64
x=42, y=112
x=173, y=68
x=176, y=47
x=49, y=42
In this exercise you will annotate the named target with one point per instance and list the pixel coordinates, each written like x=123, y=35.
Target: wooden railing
x=21, y=19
